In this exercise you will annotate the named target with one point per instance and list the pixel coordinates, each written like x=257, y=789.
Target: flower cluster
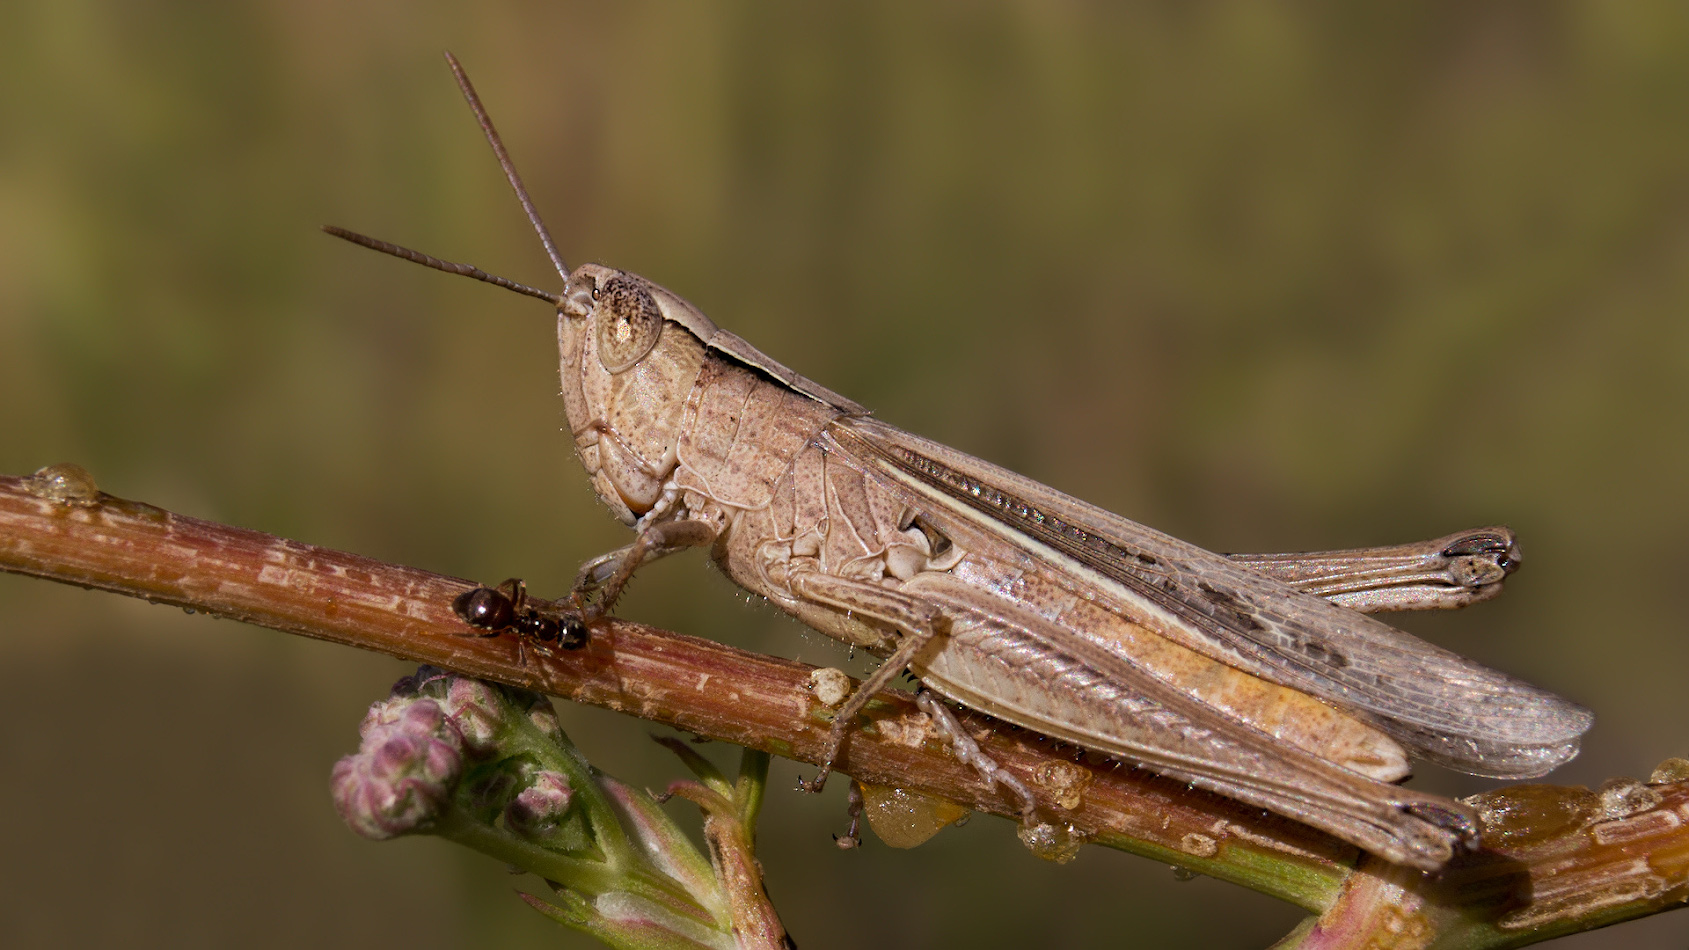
x=409, y=761
x=488, y=766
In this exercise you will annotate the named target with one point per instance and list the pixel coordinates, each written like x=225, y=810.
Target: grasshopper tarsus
x=817, y=783
x=1462, y=824
x=601, y=581
x=964, y=748
x=852, y=838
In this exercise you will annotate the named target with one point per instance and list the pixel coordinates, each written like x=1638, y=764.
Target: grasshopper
x=1256, y=677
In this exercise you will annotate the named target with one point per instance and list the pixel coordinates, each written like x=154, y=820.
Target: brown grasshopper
x=1257, y=677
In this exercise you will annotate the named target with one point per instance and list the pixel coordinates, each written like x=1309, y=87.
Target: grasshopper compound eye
x=629, y=323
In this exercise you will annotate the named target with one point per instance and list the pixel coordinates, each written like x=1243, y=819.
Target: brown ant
x=496, y=610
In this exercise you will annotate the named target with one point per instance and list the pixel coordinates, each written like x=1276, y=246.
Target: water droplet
x=1625, y=796
x=1671, y=770
x=1065, y=783
x=830, y=686
x=1051, y=843
x=65, y=483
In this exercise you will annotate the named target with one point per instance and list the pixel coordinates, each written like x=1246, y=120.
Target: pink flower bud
x=404, y=771
x=539, y=808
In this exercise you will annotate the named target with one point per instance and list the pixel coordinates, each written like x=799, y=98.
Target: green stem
x=752, y=784
x=591, y=878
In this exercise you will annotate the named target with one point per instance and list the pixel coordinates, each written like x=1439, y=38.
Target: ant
x=505, y=607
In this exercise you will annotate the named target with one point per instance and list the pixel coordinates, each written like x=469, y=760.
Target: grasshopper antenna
x=509, y=167
x=450, y=267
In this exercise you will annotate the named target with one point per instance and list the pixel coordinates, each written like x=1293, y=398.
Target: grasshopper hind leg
x=852, y=838
x=968, y=751
x=1442, y=574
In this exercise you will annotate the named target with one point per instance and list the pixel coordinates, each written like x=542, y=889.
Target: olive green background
x=1267, y=276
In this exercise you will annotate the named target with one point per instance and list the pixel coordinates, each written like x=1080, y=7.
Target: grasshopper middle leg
x=919, y=621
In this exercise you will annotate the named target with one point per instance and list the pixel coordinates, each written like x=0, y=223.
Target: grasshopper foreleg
x=608, y=574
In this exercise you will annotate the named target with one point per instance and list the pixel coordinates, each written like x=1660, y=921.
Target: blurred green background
x=1267, y=276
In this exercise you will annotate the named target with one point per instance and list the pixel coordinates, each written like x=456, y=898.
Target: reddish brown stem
x=764, y=703
x=697, y=685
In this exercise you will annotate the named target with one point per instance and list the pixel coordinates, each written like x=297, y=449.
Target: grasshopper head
x=629, y=356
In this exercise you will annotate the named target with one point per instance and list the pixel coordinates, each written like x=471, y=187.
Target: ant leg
x=516, y=589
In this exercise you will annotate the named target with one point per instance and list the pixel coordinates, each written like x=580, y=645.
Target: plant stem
x=764, y=703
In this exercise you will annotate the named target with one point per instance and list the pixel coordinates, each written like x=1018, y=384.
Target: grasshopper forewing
x=1019, y=601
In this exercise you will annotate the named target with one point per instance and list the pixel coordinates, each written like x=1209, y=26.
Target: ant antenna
x=450, y=267
x=509, y=169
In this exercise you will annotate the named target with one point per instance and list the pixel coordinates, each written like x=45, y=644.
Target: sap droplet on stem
x=65, y=483
x=903, y=818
